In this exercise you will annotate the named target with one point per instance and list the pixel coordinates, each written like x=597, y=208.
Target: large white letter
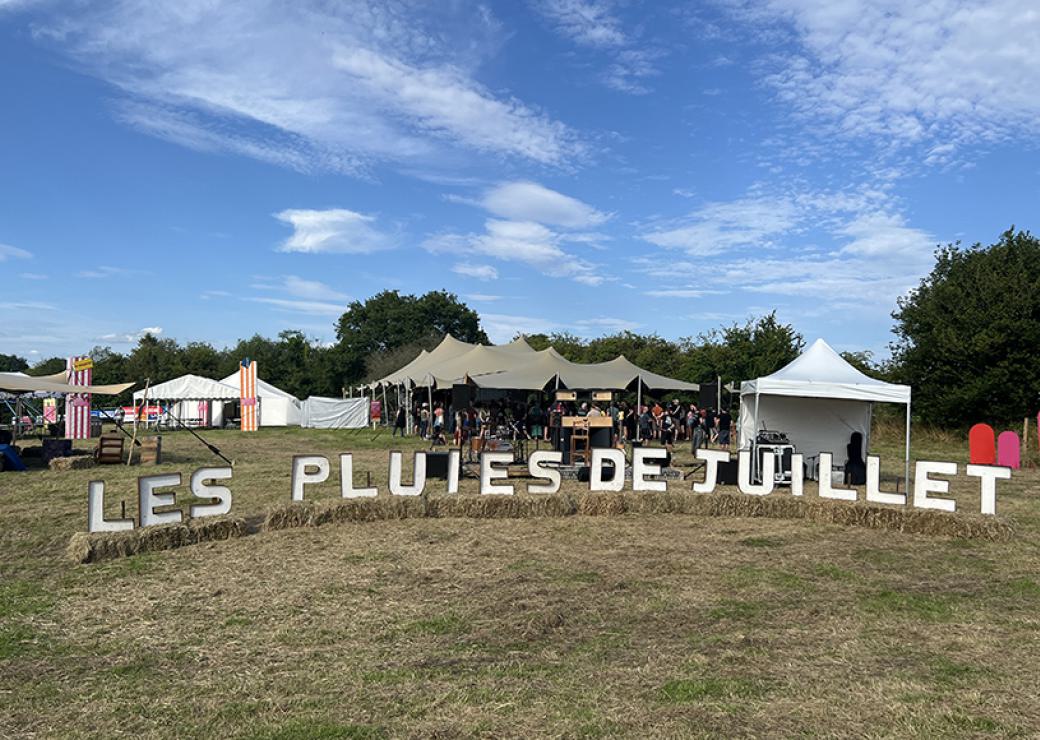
x=346, y=479
x=711, y=459
x=797, y=474
x=744, y=474
x=199, y=489
x=300, y=476
x=544, y=465
x=989, y=475
x=826, y=489
x=488, y=473
x=617, y=459
x=923, y=485
x=874, y=493
x=641, y=468
x=418, y=475
x=454, y=466
x=148, y=500
x=96, y=511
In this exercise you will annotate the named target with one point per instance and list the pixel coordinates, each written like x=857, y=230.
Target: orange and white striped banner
x=250, y=416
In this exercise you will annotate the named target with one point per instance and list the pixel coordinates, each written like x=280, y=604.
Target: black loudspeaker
x=583, y=473
x=727, y=475
x=461, y=396
x=437, y=465
x=707, y=399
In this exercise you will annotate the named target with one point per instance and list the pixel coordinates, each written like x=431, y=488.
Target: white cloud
x=107, y=271
x=519, y=241
x=315, y=308
x=8, y=252
x=480, y=272
x=719, y=227
x=630, y=70
x=312, y=289
x=129, y=337
x=587, y=22
x=335, y=230
x=502, y=328
x=32, y=276
x=606, y=323
x=529, y=201
x=941, y=74
x=314, y=86
x=483, y=298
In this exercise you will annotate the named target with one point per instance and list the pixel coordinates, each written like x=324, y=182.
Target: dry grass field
x=581, y=626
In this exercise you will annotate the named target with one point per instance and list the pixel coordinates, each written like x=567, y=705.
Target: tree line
x=967, y=341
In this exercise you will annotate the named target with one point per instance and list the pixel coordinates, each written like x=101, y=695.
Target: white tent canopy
x=818, y=400
x=278, y=408
x=17, y=383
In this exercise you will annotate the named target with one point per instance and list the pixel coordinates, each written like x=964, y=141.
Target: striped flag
x=247, y=392
x=77, y=405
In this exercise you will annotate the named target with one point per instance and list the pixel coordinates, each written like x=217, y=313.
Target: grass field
x=633, y=625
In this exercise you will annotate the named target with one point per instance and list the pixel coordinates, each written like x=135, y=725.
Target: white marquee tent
x=818, y=400
x=278, y=408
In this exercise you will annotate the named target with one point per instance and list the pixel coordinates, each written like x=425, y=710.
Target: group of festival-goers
x=667, y=424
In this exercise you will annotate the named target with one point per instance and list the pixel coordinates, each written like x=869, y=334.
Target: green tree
x=969, y=334
x=389, y=320
x=12, y=364
x=50, y=366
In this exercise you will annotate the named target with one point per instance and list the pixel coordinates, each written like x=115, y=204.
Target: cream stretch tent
x=819, y=400
x=278, y=408
x=17, y=383
x=516, y=366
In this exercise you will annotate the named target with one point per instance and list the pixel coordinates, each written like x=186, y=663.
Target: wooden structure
x=109, y=450
x=581, y=451
x=151, y=451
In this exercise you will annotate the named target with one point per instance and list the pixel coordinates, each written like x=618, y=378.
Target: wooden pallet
x=109, y=450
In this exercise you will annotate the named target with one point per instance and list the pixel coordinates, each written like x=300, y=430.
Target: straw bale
x=75, y=462
x=92, y=547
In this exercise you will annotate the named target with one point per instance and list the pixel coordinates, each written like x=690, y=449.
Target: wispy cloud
x=300, y=295
x=107, y=271
x=129, y=337
x=316, y=308
x=587, y=22
x=316, y=86
x=32, y=276
x=483, y=297
x=480, y=272
x=9, y=252
x=940, y=75
x=336, y=230
x=529, y=201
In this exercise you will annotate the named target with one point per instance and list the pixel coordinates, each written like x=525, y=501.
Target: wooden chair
x=580, y=449
x=109, y=450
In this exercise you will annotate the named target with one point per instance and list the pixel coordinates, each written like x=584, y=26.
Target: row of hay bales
x=93, y=547
x=912, y=521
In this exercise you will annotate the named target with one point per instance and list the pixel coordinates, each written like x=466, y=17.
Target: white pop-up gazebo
x=818, y=400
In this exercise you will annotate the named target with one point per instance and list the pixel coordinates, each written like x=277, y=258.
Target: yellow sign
x=85, y=364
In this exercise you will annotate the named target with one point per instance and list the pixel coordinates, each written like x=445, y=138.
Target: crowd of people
x=668, y=424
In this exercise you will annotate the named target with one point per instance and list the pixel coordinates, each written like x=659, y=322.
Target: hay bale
x=286, y=517
x=915, y=521
x=92, y=547
x=78, y=462
x=602, y=504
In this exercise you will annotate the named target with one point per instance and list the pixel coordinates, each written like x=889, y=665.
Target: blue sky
x=209, y=170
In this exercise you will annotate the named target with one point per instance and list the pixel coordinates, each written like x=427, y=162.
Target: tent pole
x=639, y=407
x=906, y=470
x=385, y=409
x=17, y=415
x=754, y=436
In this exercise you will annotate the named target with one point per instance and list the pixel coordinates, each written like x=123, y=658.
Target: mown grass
x=587, y=626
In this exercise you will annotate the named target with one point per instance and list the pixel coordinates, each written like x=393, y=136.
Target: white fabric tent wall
x=335, y=413
x=819, y=400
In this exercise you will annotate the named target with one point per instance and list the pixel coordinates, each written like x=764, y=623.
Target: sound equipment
x=708, y=397
x=566, y=395
x=604, y=396
x=437, y=465
x=461, y=396
x=598, y=437
x=781, y=454
x=768, y=437
x=727, y=473
x=583, y=474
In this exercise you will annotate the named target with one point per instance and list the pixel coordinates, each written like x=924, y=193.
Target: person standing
x=399, y=420
x=725, y=423
x=424, y=420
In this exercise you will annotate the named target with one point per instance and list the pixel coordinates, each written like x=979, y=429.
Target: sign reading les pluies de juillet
x=543, y=466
